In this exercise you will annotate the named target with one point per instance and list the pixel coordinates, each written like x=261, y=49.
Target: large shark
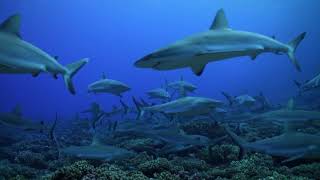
x=187, y=106
x=20, y=57
x=219, y=43
x=108, y=86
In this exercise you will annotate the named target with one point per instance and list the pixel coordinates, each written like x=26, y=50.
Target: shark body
x=108, y=86
x=219, y=43
x=20, y=57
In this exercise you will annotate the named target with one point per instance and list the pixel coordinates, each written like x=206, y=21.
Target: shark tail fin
x=228, y=97
x=139, y=108
x=72, y=70
x=292, y=49
x=124, y=106
x=237, y=140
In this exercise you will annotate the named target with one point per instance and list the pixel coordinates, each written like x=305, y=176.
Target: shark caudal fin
x=236, y=139
x=138, y=107
x=72, y=70
x=228, y=97
x=292, y=49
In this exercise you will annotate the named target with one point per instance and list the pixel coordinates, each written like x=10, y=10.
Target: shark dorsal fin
x=12, y=25
x=220, y=21
x=290, y=105
x=104, y=76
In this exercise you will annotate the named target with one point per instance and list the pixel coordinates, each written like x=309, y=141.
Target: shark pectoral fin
x=198, y=68
x=220, y=21
x=294, y=158
x=12, y=25
x=55, y=76
x=254, y=56
x=36, y=74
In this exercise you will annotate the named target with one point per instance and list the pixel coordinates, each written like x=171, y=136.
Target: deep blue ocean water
x=116, y=33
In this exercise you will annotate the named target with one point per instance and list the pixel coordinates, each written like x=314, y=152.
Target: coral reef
x=220, y=154
x=35, y=160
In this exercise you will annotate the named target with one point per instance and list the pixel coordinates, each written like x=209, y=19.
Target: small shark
x=291, y=115
x=97, y=114
x=159, y=93
x=187, y=106
x=242, y=100
x=97, y=151
x=219, y=43
x=290, y=145
x=314, y=83
x=15, y=119
x=245, y=100
x=20, y=57
x=182, y=86
x=108, y=86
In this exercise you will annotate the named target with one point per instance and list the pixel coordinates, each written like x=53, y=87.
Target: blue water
x=114, y=34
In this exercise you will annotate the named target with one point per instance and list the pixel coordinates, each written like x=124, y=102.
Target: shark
x=159, y=93
x=314, y=83
x=219, y=43
x=111, y=86
x=182, y=86
x=21, y=57
x=187, y=106
x=291, y=146
x=98, y=151
x=291, y=115
x=15, y=119
x=241, y=100
x=297, y=117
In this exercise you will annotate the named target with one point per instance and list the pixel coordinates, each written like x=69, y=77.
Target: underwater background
x=114, y=34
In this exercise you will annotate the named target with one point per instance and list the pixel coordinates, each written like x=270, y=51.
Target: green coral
x=150, y=168
x=191, y=164
x=166, y=176
x=75, y=171
x=253, y=167
x=220, y=154
x=35, y=160
x=9, y=170
x=307, y=170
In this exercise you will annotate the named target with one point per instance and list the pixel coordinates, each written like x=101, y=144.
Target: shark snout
x=147, y=61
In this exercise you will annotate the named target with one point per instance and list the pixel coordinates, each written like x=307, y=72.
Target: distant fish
x=20, y=57
x=15, y=119
x=108, y=86
x=97, y=151
x=314, y=83
x=187, y=106
x=219, y=43
x=182, y=86
x=242, y=100
x=159, y=93
x=290, y=145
